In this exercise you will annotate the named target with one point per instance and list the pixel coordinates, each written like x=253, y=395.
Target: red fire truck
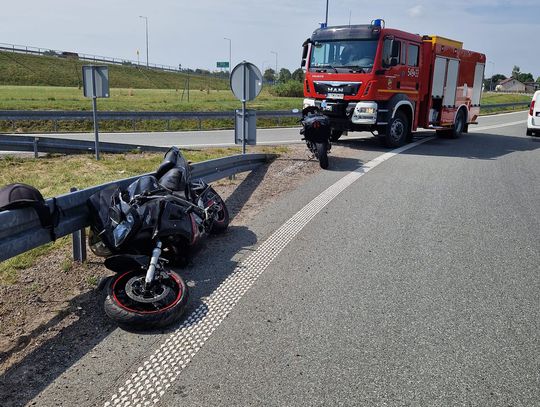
x=372, y=78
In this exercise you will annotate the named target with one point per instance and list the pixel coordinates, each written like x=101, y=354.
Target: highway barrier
x=71, y=115
x=68, y=146
x=21, y=229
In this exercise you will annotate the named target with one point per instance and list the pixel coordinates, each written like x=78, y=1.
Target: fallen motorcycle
x=316, y=131
x=142, y=230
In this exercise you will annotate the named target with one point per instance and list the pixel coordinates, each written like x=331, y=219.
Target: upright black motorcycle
x=155, y=222
x=316, y=131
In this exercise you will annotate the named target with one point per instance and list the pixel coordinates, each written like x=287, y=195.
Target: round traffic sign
x=246, y=81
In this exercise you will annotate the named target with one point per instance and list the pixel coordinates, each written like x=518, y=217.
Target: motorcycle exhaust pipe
x=153, y=263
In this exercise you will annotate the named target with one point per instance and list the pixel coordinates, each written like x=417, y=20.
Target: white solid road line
x=496, y=126
x=148, y=384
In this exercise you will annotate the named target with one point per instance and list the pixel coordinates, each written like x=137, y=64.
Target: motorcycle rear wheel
x=322, y=154
x=131, y=308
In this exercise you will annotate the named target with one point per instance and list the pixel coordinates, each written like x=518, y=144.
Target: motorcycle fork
x=151, y=271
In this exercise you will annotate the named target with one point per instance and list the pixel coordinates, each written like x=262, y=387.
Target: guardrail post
x=79, y=242
x=36, y=139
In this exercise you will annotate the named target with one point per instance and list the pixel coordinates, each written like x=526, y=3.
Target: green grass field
x=24, y=70
x=68, y=98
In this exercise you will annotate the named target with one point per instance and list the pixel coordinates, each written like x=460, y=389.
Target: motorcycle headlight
x=97, y=246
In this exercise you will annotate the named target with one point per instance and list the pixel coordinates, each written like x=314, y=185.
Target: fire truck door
x=411, y=72
x=449, y=98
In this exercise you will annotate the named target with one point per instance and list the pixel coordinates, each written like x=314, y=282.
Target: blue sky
x=191, y=32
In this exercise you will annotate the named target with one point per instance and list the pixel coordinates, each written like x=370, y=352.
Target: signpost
x=95, y=85
x=222, y=64
x=246, y=84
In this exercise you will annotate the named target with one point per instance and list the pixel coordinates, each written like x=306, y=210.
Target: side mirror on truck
x=305, y=46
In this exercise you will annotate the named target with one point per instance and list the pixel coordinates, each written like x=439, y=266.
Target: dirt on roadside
x=50, y=297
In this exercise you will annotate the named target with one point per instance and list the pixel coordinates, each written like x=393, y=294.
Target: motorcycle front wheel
x=132, y=307
x=322, y=154
x=222, y=217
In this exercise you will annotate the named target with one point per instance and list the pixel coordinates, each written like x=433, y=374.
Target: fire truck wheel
x=397, y=130
x=459, y=125
x=335, y=134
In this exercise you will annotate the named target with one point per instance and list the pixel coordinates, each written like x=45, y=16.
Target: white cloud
x=416, y=11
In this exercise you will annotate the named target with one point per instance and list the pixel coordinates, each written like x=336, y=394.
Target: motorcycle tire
x=322, y=154
x=222, y=218
x=167, y=306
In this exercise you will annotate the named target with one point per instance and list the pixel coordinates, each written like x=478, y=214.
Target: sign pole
x=244, y=97
x=246, y=84
x=94, y=109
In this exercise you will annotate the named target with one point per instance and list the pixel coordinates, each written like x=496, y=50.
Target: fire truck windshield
x=343, y=56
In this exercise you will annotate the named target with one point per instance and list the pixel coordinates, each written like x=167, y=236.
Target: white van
x=533, y=120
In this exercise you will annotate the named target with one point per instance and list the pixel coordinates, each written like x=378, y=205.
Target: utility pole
x=146, y=23
x=276, y=54
x=230, y=53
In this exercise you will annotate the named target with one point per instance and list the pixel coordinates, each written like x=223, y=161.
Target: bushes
x=288, y=89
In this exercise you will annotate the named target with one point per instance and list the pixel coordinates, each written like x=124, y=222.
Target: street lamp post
x=146, y=24
x=276, y=54
x=491, y=77
x=230, y=53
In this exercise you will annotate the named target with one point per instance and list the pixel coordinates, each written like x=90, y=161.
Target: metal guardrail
x=24, y=49
x=15, y=115
x=502, y=105
x=21, y=230
x=54, y=145
x=56, y=116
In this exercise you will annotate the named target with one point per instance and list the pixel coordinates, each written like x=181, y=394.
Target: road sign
x=246, y=84
x=222, y=64
x=96, y=85
x=246, y=81
x=95, y=81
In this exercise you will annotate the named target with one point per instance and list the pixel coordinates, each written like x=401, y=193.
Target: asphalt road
x=410, y=281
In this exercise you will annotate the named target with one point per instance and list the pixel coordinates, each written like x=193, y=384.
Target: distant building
x=510, y=85
x=531, y=87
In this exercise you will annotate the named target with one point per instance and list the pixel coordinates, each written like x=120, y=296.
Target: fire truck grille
x=345, y=88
